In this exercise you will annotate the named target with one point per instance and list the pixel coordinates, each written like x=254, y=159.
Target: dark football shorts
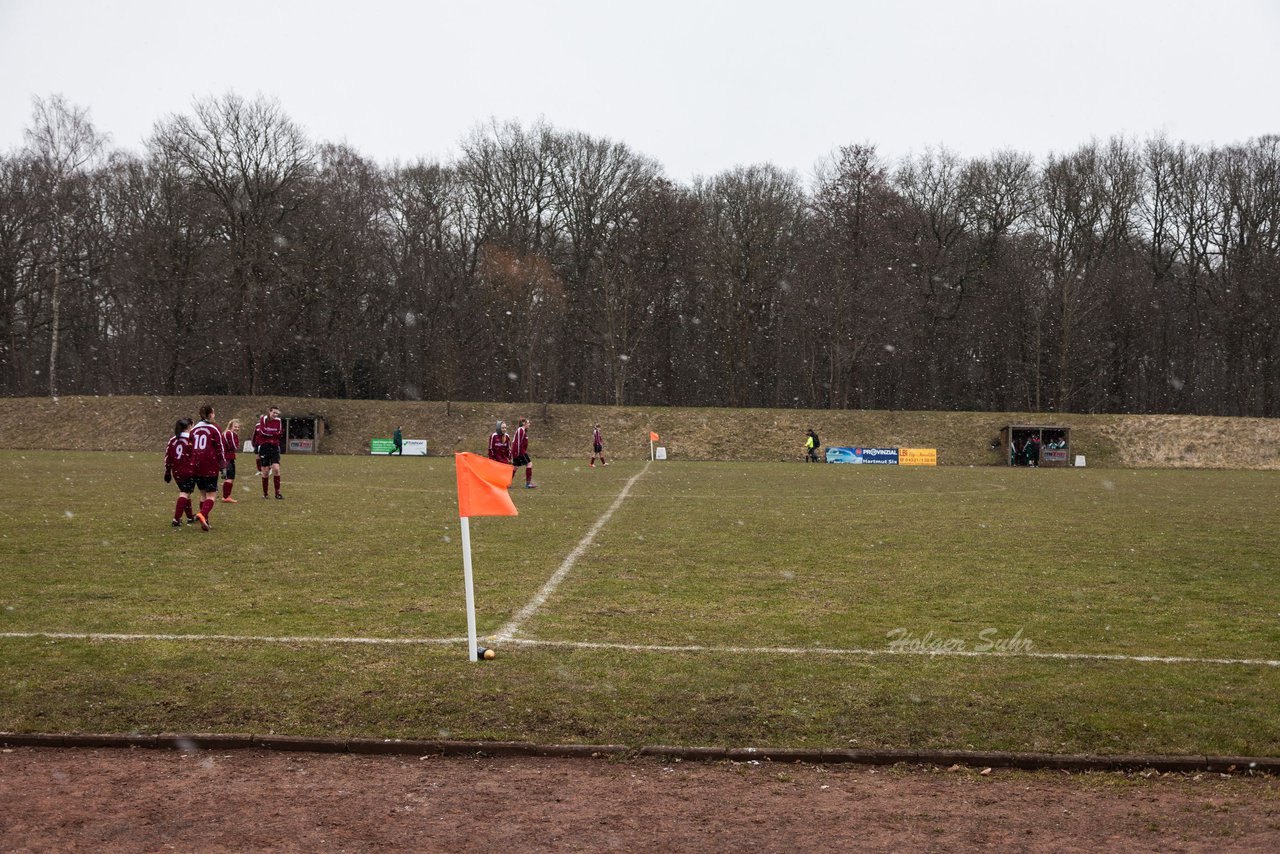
x=268, y=455
x=231, y=469
x=186, y=485
x=599, y=449
x=207, y=484
x=522, y=460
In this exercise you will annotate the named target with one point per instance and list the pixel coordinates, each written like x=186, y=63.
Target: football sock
x=277, y=480
x=528, y=474
x=264, y=485
x=226, y=489
x=206, y=507
x=178, y=508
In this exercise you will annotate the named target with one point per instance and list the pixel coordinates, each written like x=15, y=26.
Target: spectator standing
x=520, y=449
x=177, y=467
x=266, y=443
x=397, y=439
x=597, y=447
x=209, y=460
x=230, y=445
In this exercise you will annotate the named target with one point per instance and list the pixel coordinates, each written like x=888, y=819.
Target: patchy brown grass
x=564, y=431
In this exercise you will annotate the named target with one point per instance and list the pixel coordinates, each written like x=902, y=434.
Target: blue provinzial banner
x=863, y=456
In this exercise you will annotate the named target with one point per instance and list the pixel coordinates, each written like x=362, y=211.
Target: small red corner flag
x=653, y=437
x=482, y=486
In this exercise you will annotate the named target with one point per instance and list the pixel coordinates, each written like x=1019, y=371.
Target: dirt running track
x=244, y=800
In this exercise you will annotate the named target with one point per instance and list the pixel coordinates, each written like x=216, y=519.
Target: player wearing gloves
x=178, y=464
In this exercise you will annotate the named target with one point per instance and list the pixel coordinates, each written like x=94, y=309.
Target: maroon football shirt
x=206, y=449
x=268, y=432
x=230, y=444
x=500, y=448
x=178, y=458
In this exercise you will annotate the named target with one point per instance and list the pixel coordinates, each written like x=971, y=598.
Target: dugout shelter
x=1055, y=444
x=302, y=433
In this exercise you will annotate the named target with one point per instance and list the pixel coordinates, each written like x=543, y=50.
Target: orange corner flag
x=653, y=437
x=482, y=486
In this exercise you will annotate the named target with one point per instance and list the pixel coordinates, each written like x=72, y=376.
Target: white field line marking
x=109, y=636
x=513, y=625
x=686, y=648
x=721, y=496
x=855, y=651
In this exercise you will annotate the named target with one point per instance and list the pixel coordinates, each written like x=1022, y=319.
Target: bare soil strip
x=244, y=800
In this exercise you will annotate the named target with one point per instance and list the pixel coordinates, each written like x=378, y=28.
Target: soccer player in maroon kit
x=209, y=461
x=230, y=444
x=520, y=448
x=597, y=447
x=178, y=466
x=266, y=441
x=500, y=445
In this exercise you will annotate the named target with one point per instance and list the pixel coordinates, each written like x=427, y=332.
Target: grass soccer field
x=1108, y=611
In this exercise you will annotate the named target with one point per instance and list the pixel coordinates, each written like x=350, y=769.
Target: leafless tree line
x=235, y=255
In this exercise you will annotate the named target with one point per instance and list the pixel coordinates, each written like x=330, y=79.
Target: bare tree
x=253, y=162
x=63, y=144
x=843, y=292
x=524, y=301
x=598, y=186
x=434, y=256
x=754, y=218
x=21, y=240
x=507, y=172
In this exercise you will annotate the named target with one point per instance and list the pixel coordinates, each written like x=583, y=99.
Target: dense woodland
x=236, y=255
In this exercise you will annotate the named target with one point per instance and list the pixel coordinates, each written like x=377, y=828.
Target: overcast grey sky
x=699, y=86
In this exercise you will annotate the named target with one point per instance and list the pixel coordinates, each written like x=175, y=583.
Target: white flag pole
x=650, y=449
x=471, y=593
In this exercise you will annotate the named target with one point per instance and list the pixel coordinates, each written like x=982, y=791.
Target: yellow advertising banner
x=917, y=456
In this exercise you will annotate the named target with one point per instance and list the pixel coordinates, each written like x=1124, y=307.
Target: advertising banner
x=412, y=447
x=863, y=456
x=917, y=456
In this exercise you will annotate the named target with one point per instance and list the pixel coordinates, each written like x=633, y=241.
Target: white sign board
x=415, y=447
x=1080, y=461
x=659, y=453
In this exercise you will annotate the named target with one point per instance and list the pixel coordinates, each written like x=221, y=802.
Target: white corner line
x=299, y=639
x=852, y=652
x=513, y=625
x=861, y=652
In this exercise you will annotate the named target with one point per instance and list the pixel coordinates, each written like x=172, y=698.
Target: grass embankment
x=564, y=431
x=1131, y=563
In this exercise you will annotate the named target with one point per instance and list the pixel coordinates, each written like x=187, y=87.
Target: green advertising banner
x=410, y=448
